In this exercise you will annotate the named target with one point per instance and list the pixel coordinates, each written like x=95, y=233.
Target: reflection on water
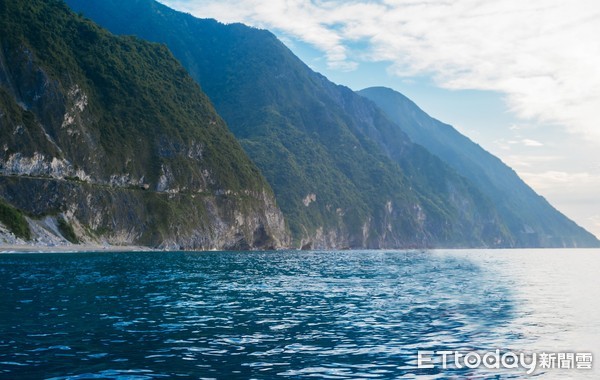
x=289, y=314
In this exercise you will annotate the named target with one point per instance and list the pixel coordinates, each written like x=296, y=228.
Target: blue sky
x=521, y=79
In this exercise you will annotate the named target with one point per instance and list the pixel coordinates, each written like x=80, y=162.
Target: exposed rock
x=118, y=149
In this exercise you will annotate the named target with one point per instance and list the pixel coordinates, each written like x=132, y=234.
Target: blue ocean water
x=263, y=315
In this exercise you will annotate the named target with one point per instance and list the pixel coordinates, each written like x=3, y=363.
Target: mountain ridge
x=113, y=137
x=536, y=219
x=110, y=138
x=335, y=185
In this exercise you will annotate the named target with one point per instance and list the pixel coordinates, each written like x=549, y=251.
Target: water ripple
x=258, y=315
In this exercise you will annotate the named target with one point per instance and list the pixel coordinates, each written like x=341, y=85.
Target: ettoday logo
x=508, y=360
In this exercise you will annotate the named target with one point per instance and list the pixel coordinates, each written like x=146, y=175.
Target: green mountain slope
x=532, y=219
x=315, y=142
x=112, y=134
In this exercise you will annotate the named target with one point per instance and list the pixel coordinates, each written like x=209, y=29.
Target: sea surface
x=265, y=315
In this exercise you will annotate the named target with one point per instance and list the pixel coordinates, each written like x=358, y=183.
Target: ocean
x=291, y=314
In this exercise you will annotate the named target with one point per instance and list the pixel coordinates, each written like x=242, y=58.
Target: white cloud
x=531, y=143
x=552, y=180
x=505, y=144
x=543, y=55
x=522, y=162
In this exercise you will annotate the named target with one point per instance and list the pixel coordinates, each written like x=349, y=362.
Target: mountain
x=317, y=143
x=534, y=221
x=108, y=139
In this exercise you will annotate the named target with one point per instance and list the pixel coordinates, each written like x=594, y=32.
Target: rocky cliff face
x=315, y=142
x=122, y=216
x=113, y=135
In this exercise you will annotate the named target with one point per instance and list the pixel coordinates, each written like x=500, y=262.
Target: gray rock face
x=121, y=216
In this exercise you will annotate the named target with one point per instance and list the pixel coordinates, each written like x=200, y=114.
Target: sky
x=520, y=78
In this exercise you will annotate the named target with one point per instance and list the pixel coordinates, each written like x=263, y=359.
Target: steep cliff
x=111, y=135
x=315, y=142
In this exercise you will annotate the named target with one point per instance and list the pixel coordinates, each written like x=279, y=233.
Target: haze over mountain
x=108, y=139
x=536, y=221
x=343, y=172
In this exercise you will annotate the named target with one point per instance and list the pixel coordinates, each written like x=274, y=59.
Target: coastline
x=74, y=248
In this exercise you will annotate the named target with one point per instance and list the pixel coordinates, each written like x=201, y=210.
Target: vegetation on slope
x=14, y=220
x=331, y=177
x=67, y=230
x=138, y=93
x=79, y=102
